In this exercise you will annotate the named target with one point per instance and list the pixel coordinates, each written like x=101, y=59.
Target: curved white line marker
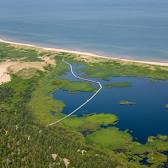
x=87, y=101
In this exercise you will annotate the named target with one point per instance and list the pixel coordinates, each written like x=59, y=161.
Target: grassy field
x=26, y=105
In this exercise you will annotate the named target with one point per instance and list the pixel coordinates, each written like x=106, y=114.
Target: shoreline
x=87, y=54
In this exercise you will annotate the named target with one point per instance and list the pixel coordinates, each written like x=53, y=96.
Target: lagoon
x=148, y=117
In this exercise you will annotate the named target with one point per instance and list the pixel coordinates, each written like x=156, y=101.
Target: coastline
x=87, y=54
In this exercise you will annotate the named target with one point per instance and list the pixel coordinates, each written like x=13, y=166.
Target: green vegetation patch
x=118, y=85
x=42, y=104
x=27, y=73
x=107, y=69
x=166, y=106
x=8, y=51
x=111, y=138
x=73, y=86
x=122, y=142
x=157, y=159
x=160, y=142
x=90, y=123
x=126, y=102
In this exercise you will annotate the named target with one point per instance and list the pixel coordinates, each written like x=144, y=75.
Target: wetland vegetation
x=25, y=110
x=90, y=123
x=119, y=68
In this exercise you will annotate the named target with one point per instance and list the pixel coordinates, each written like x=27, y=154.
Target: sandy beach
x=87, y=54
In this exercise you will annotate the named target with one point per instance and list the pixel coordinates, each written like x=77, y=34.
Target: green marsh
x=25, y=108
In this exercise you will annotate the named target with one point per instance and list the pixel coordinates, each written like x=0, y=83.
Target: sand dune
x=11, y=67
x=4, y=76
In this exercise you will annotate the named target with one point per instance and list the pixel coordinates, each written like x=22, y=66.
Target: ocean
x=135, y=29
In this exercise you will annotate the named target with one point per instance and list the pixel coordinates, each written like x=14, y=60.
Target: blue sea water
x=125, y=28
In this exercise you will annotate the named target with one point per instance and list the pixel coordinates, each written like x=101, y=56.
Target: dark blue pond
x=148, y=117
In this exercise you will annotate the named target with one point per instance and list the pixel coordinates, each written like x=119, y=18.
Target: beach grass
x=107, y=69
x=11, y=52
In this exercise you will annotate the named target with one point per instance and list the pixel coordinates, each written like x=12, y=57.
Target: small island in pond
x=126, y=102
x=166, y=106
